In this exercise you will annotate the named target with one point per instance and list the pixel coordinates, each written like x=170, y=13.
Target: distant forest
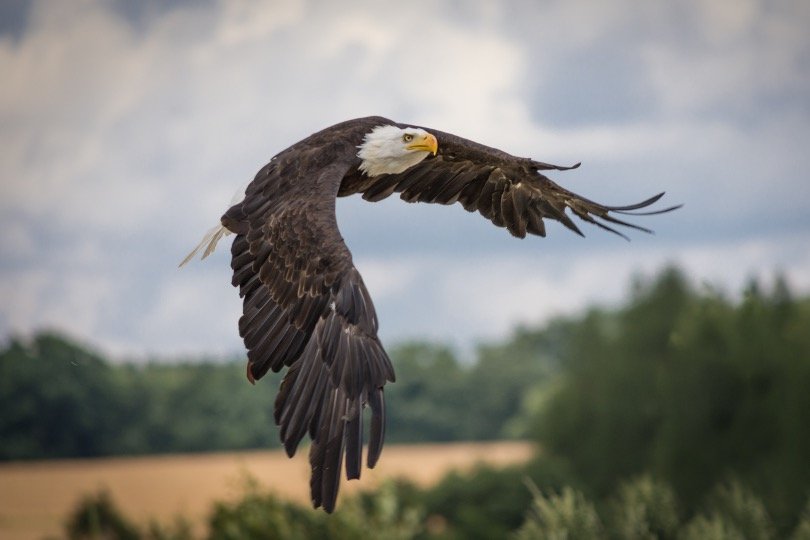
x=682, y=383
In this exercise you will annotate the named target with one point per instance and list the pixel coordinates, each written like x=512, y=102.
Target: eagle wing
x=306, y=307
x=508, y=190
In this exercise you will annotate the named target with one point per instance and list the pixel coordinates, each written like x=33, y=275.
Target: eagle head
x=392, y=150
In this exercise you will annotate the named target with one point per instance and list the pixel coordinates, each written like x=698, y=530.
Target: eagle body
x=305, y=306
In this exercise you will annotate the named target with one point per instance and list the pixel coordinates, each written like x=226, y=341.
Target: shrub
x=644, y=509
x=484, y=503
x=567, y=516
x=734, y=512
x=802, y=530
x=96, y=517
x=381, y=514
x=715, y=527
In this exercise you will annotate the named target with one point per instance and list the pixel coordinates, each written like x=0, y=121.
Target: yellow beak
x=428, y=143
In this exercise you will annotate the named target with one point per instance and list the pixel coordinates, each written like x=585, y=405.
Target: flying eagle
x=305, y=304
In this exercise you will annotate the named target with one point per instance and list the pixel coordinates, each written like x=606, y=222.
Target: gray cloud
x=14, y=16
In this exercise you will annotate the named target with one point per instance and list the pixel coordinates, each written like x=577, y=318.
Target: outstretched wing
x=509, y=191
x=306, y=307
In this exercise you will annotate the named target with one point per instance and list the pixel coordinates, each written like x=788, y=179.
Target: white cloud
x=75, y=302
x=388, y=279
x=738, y=54
x=246, y=21
x=23, y=292
x=18, y=239
x=196, y=310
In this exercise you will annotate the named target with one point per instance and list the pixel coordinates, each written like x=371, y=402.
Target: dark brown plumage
x=305, y=304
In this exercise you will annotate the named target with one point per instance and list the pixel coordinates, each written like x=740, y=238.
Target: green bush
x=733, y=512
x=479, y=504
x=96, y=517
x=484, y=503
x=802, y=531
x=716, y=527
x=262, y=515
x=379, y=515
x=644, y=509
x=566, y=516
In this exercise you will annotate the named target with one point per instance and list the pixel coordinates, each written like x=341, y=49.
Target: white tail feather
x=209, y=241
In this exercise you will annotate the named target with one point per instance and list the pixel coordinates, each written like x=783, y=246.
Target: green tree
x=57, y=399
x=691, y=387
x=428, y=399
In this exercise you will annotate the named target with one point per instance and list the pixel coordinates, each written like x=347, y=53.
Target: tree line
x=698, y=391
x=63, y=399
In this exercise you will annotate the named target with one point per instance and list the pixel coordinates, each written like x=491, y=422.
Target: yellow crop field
x=36, y=497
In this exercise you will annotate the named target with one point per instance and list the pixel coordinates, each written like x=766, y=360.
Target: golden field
x=36, y=497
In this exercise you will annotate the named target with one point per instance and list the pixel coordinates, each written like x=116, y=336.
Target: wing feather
x=377, y=431
x=508, y=190
x=306, y=307
x=383, y=187
x=451, y=192
x=534, y=223
x=484, y=202
x=497, y=196
x=470, y=193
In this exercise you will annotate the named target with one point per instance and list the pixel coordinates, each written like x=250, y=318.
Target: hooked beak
x=428, y=143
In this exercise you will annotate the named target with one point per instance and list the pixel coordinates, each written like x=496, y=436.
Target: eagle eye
x=407, y=137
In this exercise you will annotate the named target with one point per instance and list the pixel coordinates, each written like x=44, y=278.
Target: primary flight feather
x=305, y=305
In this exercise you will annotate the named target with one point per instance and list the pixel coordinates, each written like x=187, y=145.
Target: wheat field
x=36, y=497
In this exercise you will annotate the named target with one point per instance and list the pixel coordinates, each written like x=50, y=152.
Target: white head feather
x=385, y=150
x=392, y=150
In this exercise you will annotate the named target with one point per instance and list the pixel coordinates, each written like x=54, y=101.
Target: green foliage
x=802, y=530
x=486, y=503
x=264, y=515
x=179, y=529
x=711, y=528
x=565, y=516
x=644, y=509
x=734, y=512
x=387, y=513
x=436, y=398
x=64, y=401
x=428, y=399
x=605, y=414
x=742, y=510
x=61, y=400
x=56, y=399
x=194, y=407
x=504, y=377
x=691, y=388
x=379, y=515
x=97, y=517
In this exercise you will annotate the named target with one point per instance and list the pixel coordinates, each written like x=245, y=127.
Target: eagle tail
x=209, y=242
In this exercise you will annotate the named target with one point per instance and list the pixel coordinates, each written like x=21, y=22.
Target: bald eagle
x=305, y=305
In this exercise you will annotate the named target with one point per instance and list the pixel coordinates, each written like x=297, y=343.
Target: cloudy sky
x=126, y=127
